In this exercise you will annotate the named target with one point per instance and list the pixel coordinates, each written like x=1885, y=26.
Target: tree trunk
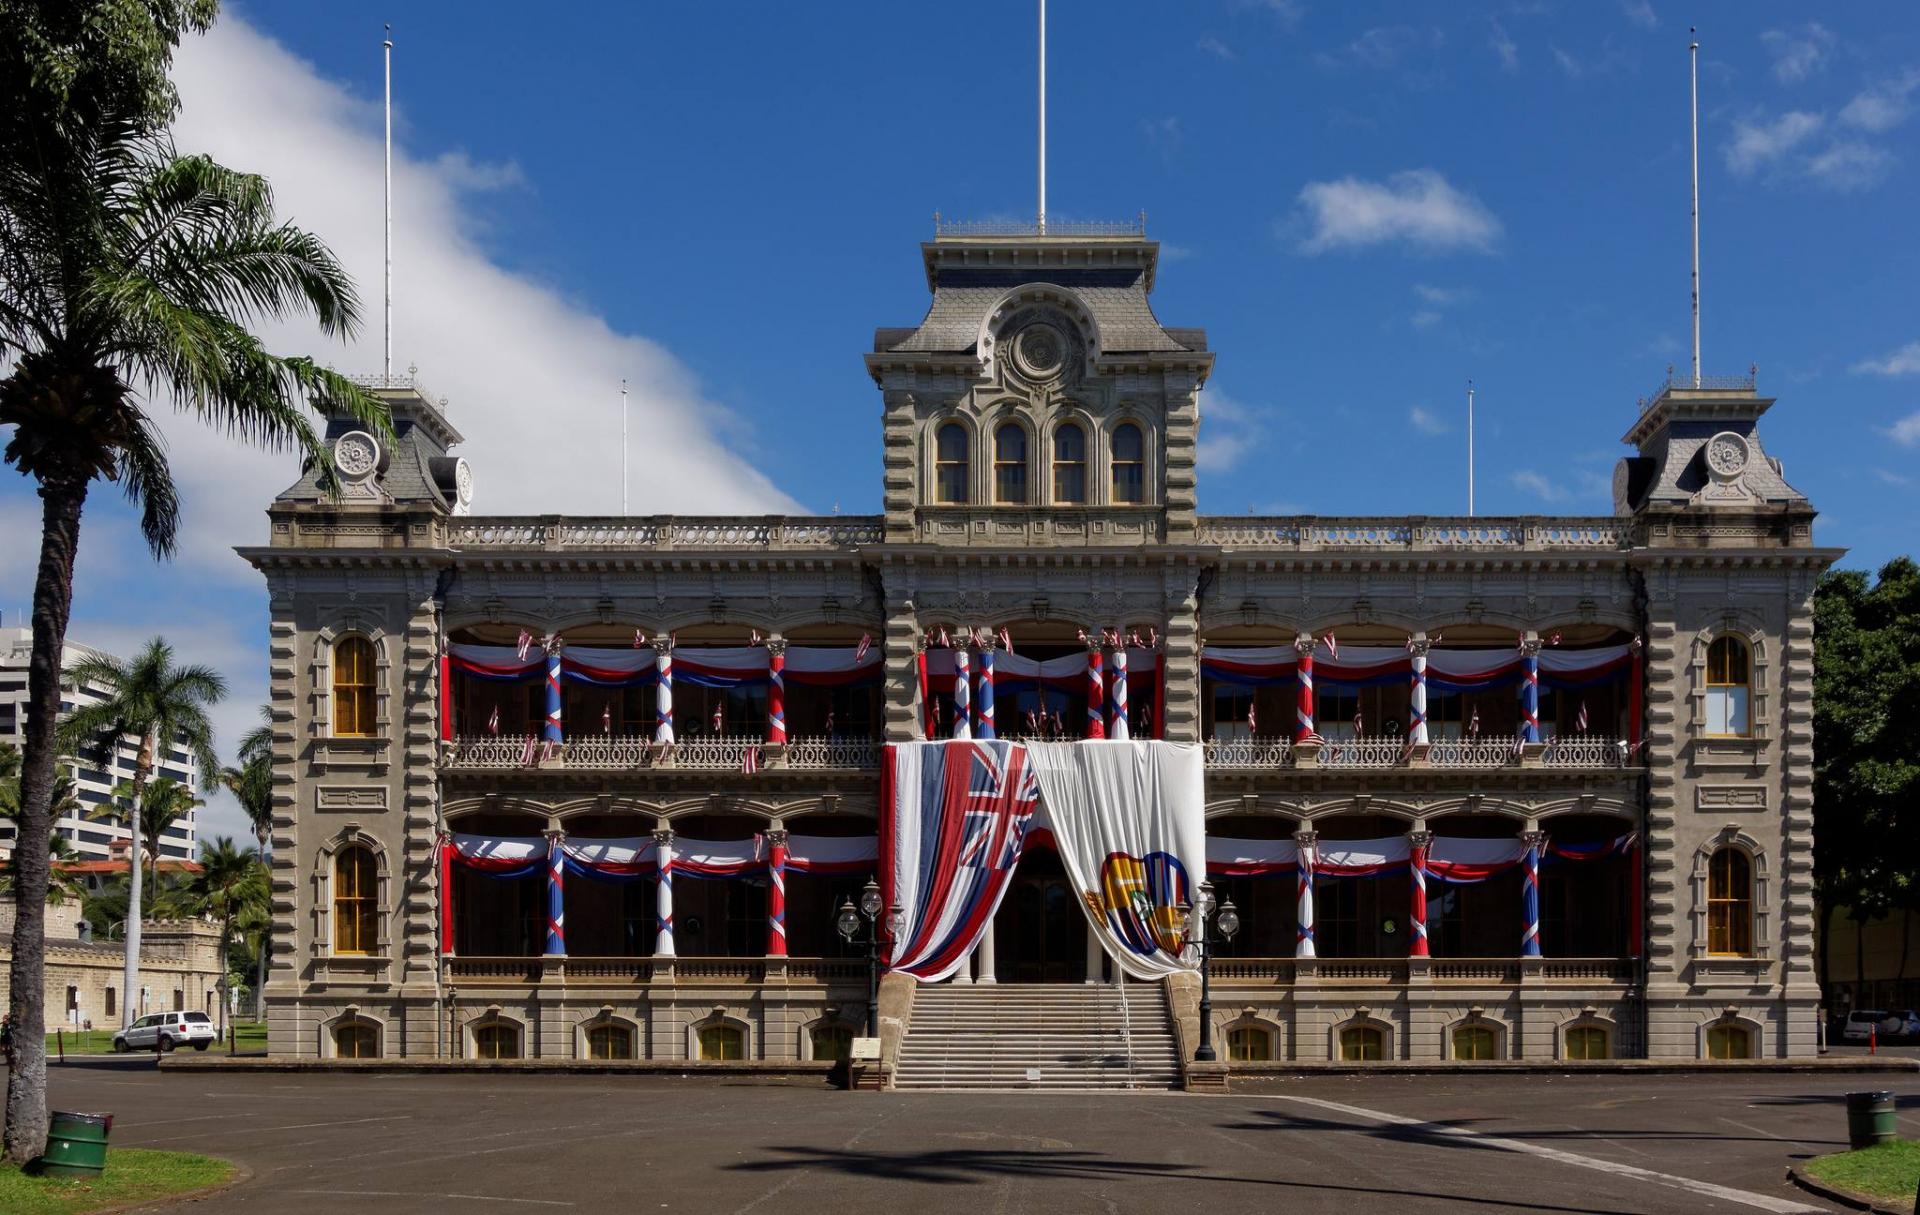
x=62, y=499
x=136, y=910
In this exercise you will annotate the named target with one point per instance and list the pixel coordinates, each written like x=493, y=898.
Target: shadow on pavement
x=973, y=1166
x=1428, y=1132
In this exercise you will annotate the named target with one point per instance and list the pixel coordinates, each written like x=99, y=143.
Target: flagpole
x=1469, y=449
x=623, y=447
x=1693, y=53
x=387, y=365
x=1043, y=118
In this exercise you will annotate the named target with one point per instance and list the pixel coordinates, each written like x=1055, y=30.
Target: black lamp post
x=1206, y=915
x=848, y=921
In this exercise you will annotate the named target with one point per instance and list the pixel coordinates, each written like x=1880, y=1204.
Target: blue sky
x=1365, y=206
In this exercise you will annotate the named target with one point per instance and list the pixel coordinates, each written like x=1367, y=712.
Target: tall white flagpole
x=623, y=447
x=1469, y=449
x=1043, y=117
x=387, y=365
x=1693, y=52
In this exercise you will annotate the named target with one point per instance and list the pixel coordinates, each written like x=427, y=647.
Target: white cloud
x=1568, y=64
x=1164, y=136
x=1213, y=46
x=1442, y=296
x=1382, y=46
x=1758, y=145
x=1641, y=13
x=1797, y=56
x=1539, y=486
x=1503, y=45
x=1427, y=422
x=1417, y=207
x=1426, y=318
x=1906, y=431
x=1228, y=431
x=1892, y=478
x=1849, y=164
x=1883, y=106
x=519, y=361
x=1904, y=361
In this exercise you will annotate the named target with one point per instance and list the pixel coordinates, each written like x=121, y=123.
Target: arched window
x=1362, y=1044
x=1010, y=464
x=1069, y=464
x=356, y=1040
x=609, y=1041
x=832, y=1041
x=355, y=901
x=353, y=688
x=1729, y=1042
x=1249, y=1044
x=1729, y=687
x=951, y=469
x=1129, y=464
x=1730, y=902
x=1474, y=1042
x=722, y=1042
x=1586, y=1042
x=497, y=1040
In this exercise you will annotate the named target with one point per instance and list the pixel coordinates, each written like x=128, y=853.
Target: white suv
x=164, y=1031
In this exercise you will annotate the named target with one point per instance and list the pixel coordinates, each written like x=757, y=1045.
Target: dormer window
x=1129, y=464
x=951, y=465
x=1010, y=465
x=1069, y=464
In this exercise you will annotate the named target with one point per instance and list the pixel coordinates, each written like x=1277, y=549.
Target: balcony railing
x=1472, y=753
x=1527, y=533
x=1683, y=381
x=1249, y=753
x=628, y=752
x=776, y=533
x=812, y=752
x=1585, y=751
x=1502, y=972
x=533, y=971
x=1384, y=752
x=1368, y=751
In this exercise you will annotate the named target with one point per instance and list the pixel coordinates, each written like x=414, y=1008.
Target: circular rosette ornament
x=1139, y=896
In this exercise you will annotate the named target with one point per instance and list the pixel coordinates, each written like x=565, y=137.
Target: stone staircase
x=1039, y=1036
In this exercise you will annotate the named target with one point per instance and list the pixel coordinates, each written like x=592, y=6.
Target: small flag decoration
x=524, y=645
x=718, y=716
x=1580, y=719
x=750, y=760
x=1333, y=647
x=606, y=719
x=493, y=721
x=860, y=651
x=1473, y=723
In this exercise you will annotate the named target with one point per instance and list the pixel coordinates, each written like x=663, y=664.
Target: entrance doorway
x=1040, y=932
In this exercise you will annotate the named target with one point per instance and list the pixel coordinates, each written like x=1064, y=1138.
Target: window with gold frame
x=356, y=904
x=1362, y=1044
x=1729, y=1042
x=1129, y=448
x=1729, y=688
x=1587, y=1042
x=952, y=468
x=1730, y=903
x=1475, y=1043
x=1069, y=464
x=496, y=1041
x=356, y=1040
x=353, y=688
x=722, y=1042
x=609, y=1041
x=832, y=1041
x=1010, y=464
x=1249, y=1044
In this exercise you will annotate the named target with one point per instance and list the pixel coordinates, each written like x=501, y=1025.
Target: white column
x=1095, y=952
x=663, y=906
x=985, y=953
x=1304, y=946
x=1417, y=734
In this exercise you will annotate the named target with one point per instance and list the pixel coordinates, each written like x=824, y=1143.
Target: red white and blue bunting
x=1454, y=859
x=711, y=667
x=1446, y=670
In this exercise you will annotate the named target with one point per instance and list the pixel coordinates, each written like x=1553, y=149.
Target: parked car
x=1905, y=1023
x=165, y=1031
x=1862, y=1023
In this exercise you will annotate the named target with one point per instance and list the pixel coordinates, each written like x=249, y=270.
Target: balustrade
x=1472, y=753
x=837, y=752
x=1584, y=751
x=1249, y=753
x=714, y=752
x=1368, y=751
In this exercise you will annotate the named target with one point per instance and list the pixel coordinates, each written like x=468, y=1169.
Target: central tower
x=1040, y=401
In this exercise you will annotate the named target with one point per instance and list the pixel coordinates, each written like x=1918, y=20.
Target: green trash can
x=1870, y=1119
x=76, y=1145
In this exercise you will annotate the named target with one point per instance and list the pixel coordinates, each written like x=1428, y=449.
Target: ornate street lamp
x=1200, y=918
x=848, y=921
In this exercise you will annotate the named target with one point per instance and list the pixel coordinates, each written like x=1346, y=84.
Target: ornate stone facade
x=1040, y=428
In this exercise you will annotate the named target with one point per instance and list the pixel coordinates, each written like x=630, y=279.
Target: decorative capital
x=1419, y=644
x=776, y=644
x=1530, y=644
x=1306, y=837
x=1304, y=643
x=985, y=640
x=663, y=837
x=553, y=643
x=776, y=838
x=1419, y=839
x=662, y=643
x=1534, y=839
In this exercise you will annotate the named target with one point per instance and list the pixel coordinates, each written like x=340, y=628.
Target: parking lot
x=405, y=1143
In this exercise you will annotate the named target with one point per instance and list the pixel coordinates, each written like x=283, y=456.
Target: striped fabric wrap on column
x=776, y=894
x=663, y=694
x=1119, y=731
x=1530, y=897
x=776, y=693
x=1303, y=712
x=446, y=896
x=446, y=695
x=1417, y=894
x=556, y=898
x=1530, y=690
x=663, y=893
x=1417, y=704
x=1303, y=938
x=984, y=715
x=1096, y=693
x=550, y=732
x=962, y=695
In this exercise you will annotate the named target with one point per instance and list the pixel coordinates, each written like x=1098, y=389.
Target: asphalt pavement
x=427, y=1143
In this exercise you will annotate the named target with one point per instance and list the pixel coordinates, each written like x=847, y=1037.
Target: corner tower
x=1040, y=402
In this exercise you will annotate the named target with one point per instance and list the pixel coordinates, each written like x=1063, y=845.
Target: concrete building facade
x=1649, y=741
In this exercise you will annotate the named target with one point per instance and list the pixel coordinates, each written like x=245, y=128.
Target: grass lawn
x=132, y=1175
x=1891, y=1170
x=252, y=1037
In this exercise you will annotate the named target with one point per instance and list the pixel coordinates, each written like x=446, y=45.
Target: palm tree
x=159, y=703
x=61, y=885
x=130, y=277
x=166, y=802
x=230, y=887
x=251, y=784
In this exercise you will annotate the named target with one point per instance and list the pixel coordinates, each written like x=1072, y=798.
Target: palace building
x=1479, y=788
